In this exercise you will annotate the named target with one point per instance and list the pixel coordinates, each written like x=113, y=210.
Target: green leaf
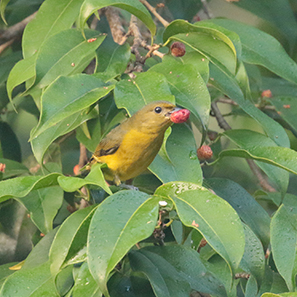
x=229, y=86
x=112, y=58
x=253, y=145
x=212, y=43
x=249, y=210
x=43, y=205
x=13, y=168
x=183, y=261
x=40, y=253
x=212, y=216
x=66, y=58
x=21, y=72
x=198, y=61
x=60, y=15
x=277, y=12
x=71, y=239
x=187, y=86
x=262, y=49
x=67, y=96
x=95, y=177
x=284, y=229
x=7, y=63
x=3, y=5
x=134, y=216
x=287, y=108
x=30, y=283
x=145, y=88
x=10, y=146
x=165, y=280
x=41, y=143
x=253, y=260
x=180, y=153
x=133, y=6
x=21, y=186
x=85, y=285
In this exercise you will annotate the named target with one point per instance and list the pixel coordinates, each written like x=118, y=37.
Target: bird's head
x=155, y=116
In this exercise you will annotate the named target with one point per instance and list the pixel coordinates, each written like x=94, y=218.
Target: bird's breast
x=136, y=152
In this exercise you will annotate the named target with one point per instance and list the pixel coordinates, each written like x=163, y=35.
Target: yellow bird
x=130, y=148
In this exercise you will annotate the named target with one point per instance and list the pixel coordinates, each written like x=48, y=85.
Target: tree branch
x=118, y=33
x=17, y=29
x=155, y=13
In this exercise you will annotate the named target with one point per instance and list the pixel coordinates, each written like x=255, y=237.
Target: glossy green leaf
x=287, y=108
x=284, y=230
x=253, y=260
x=41, y=143
x=65, y=57
x=210, y=42
x=180, y=153
x=229, y=86
x=212, y=216
x=253, y=145
x=134, y=216
x=183, y=261
x=145, y=88
x=70, y=239
x=165, y=280
x=187, y=86
x=249, y=210
x=198, y=61
x=30, y=282
x=21, y=72
x=67, y=96
x=43, y=205
x=262, y=49
x=85, y=285
x=22, y=186
x=113, y=58
x=133, y=6
x=95, y=177
x=60, y=16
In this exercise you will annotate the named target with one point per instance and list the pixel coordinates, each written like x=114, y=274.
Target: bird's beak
x=172, y=111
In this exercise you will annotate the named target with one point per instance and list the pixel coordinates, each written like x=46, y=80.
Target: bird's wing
x=111, y=142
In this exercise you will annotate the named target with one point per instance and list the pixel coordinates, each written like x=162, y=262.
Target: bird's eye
x=158, y=109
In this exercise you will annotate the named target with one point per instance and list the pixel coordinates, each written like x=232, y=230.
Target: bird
x=129, y=148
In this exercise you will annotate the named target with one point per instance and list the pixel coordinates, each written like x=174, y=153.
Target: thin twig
x=115, y=24
x=155, y=13
x=220, y=119
x=153, y=50
x=206, y=9
x=5, y=45
x=134, y=30
x=83, y=157
x=262, y=181
x=231, y=102
x=17, y=29
x=242, y=275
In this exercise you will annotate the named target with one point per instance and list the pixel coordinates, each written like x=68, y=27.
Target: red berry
x=204, y=152
x=266, y=93
x=76, y=169
x=180, y=116
x=178, y=49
